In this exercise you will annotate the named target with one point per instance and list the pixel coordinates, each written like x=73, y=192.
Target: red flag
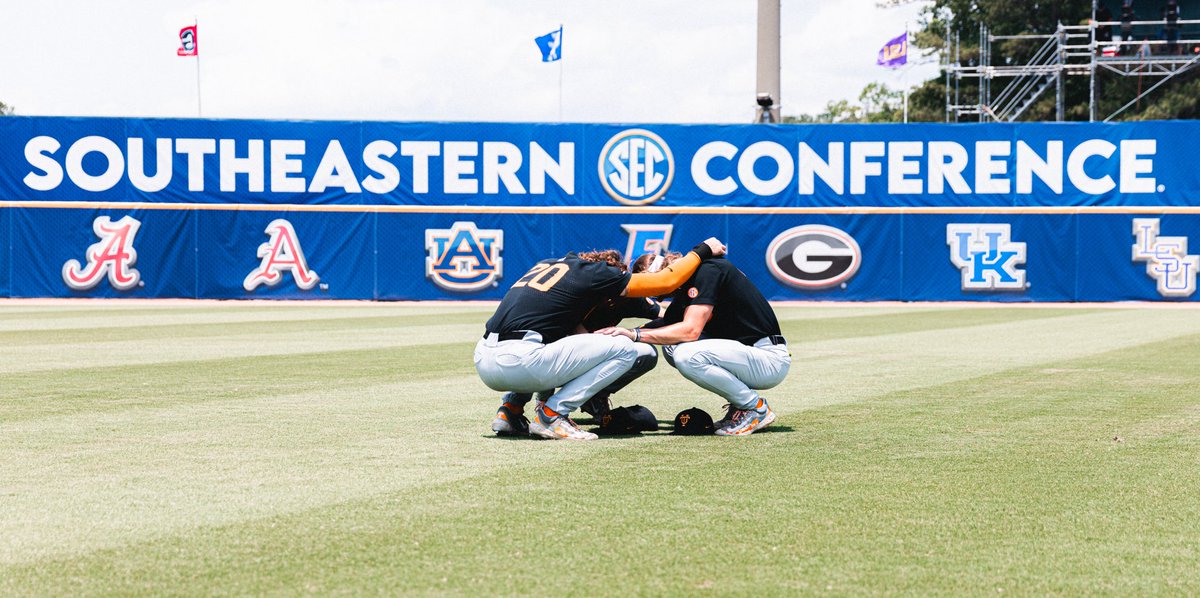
x=188, y=46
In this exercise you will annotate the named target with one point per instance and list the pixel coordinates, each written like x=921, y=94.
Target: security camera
x=764, y=100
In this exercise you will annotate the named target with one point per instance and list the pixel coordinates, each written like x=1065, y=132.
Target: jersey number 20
x=543, y=276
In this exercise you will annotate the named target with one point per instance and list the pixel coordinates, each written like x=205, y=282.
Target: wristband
x=703, y=250
x=637, y=335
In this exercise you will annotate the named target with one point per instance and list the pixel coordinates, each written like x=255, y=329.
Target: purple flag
x=895, y=52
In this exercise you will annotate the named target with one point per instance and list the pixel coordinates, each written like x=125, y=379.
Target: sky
x=668, y=61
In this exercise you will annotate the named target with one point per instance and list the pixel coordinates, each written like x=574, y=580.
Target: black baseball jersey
x=610, y=312
x=555, y=295
x=740, y=312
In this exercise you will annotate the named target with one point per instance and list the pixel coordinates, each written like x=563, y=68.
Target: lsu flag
x=550, y=45
x=187, y=42
x=895, y=52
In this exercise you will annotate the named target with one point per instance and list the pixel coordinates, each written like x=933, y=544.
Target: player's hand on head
x=717, y=247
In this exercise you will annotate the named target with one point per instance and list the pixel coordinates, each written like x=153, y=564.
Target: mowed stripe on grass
x=949, y=450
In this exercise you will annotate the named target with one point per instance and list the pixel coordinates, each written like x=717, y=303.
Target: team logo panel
x=1167, y=260
x=282, y=253
x=464, y=258
x=636, y=167
x=813, y=256
x=112, y=256
x=987, y=257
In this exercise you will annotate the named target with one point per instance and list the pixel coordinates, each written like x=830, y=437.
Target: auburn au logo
x=282, y=253
x=463, y=257
x=112, y=255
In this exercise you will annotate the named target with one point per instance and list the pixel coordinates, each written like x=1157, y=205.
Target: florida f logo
x=987, y=257
x=281, y=253
x=1167, y=261
x=647, y=238
x=636, y=167
x=464, y=258
x=113, y=255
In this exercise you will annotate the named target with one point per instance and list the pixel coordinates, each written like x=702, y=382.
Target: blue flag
x=550, y=45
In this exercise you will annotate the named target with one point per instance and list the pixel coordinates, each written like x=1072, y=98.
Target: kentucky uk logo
x=464, y=258
x=987, y=257
x=636, y=167
x=813, y=256
x=112, y=255
x=282, y=253
x=1167, y=260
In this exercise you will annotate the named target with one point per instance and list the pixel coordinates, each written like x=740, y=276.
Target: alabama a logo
x=636, y=167
x=647, y=238
x=464, y=258
x=813, y=256
x=987, y=257
x=113, y=256
x=282, y=253
x=1167, y=259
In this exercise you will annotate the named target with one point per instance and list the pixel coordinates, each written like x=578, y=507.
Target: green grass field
x=289, y=449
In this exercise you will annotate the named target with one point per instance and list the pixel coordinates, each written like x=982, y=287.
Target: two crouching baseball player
x=721, y=333
x=529, y=344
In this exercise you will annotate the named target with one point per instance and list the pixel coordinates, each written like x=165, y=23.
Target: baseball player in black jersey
x=721, y=333
x=529, y=344
x=609, y=312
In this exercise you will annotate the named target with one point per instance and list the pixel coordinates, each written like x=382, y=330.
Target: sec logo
x=813, y=257
x=636, y=167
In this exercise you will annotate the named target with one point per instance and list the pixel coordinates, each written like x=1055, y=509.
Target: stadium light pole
x=767, y=96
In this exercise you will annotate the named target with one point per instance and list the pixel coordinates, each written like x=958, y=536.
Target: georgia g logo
x=464, y=258
x=986, y=256
x=636, y=167
x=813, y=256
x=282, y=253
x=113, y=255
x=1167, y=259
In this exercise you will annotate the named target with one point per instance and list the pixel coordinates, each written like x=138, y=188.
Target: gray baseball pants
x=581, y=364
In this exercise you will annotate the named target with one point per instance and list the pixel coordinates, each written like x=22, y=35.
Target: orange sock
x=549, y=412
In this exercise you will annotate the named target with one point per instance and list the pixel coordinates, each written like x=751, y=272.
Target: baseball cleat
x=552, y=426
x=597, y=406
x=749, y=421
x=731, y=414
x=509, y=422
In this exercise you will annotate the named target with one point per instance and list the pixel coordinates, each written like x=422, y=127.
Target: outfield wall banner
x=243, y=254
x=231, y=209
x=560, y=165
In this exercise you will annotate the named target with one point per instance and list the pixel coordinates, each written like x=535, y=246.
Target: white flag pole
x=199, y=108
x=560, y=73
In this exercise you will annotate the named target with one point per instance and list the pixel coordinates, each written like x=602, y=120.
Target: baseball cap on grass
x=627, y=420
x=693, y=422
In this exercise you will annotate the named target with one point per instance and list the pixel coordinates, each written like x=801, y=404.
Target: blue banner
x=104, y=207
x=241, y=254
x=596, y=165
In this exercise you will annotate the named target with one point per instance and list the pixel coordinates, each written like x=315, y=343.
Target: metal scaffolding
x=1072, y=50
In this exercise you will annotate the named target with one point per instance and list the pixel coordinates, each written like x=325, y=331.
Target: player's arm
x=645, y=284
x=684, y=331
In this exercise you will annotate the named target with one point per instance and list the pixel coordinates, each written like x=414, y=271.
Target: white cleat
x=559, y=428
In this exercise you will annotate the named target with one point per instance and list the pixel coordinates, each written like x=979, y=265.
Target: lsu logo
x=636, y=167
x=1167, y=261
x=113, y=255
x=813, y=256
x=986, y=256
x=463, y=257
x=282, y=253
x=647, y=238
